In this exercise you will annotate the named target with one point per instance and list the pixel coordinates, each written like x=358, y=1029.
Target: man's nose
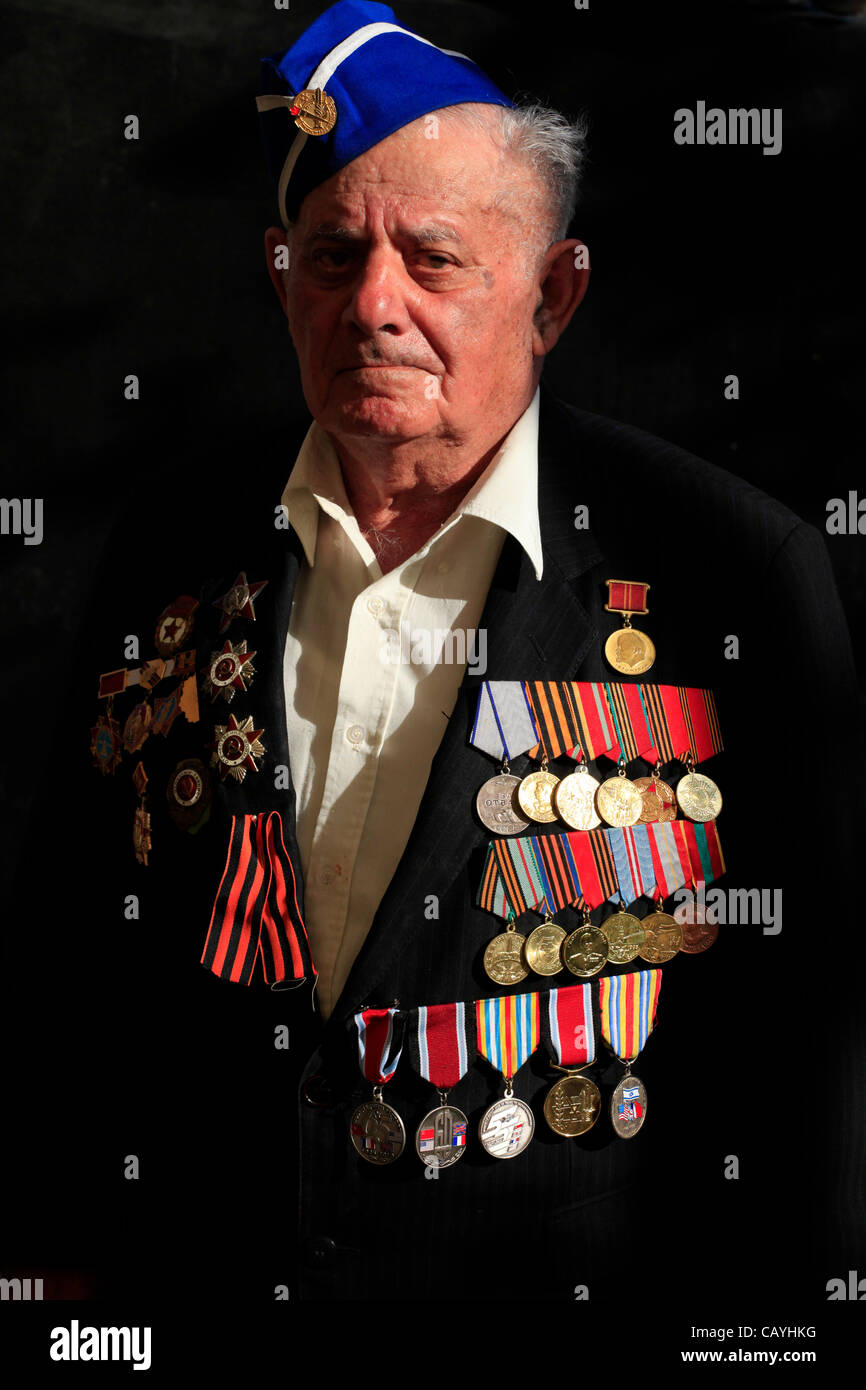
x=378, y=301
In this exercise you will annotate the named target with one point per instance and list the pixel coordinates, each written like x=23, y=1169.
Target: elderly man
x=425, y=272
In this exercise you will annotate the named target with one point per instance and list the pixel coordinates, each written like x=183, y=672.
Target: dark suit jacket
x=738, y=1066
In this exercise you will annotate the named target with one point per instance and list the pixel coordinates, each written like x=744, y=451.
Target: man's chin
x=388, y=416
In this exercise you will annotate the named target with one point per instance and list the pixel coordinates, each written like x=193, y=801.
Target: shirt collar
x=506, y=494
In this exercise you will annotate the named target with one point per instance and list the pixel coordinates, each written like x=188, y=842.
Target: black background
x=147, y=257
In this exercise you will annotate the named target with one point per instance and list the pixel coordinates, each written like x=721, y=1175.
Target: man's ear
x=277, y=260
x=563, y=279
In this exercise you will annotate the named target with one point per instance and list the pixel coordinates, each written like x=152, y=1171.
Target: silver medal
x=377, y=1132
x=506, y=1128
x=628, y=1106
x=496, y=804
x=441, y=1137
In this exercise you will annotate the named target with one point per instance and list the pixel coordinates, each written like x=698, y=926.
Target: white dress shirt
x=373, y=663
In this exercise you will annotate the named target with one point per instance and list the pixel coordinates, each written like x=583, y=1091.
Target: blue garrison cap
x=351, y=79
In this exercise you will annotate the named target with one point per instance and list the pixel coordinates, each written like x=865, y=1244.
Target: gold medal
x=542, y=951
x=658, y=802
x=572, y=1105
x=627, y=650
x=625, y=935
x=618, y=800
x=574, y=800
x=700, y=927
x=699, y=797
x=535, y=795
x=664, y=937
x=503, y=958
x=585, y=951
x=314, y=111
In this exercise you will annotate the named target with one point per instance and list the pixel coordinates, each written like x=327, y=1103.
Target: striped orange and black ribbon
x=256, y=911
x=555, y=717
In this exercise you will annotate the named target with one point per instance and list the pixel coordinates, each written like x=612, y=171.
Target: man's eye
x=331, y=259
x=435, y=260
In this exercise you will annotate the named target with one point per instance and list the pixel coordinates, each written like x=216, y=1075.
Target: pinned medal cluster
x=229, y=670
x=445, y=1039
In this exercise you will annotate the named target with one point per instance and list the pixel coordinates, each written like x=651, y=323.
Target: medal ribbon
x=628, y=1010
x=633, y=859
x=704, y=850
x=380, y=1042
x=508, y=1030
x=631, y=722
x=439, y=1044
x=596, y=870
x=554, y=716
x=256, y=910
x=569, y=1032
x=596, y=732
x=511, y=877
x=670, y=856
x=504, y=725
x=556, y=870
x=626, y=596
x=701, y=721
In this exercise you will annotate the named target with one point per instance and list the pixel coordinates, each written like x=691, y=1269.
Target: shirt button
x=356, y=734
x=375, y=606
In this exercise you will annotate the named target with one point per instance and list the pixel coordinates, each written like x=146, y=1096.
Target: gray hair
x=542, y=138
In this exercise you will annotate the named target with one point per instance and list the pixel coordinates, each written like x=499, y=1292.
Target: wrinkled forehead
x=441, y=186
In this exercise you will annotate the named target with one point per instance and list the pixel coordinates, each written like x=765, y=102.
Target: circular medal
x=664, y=937
x=625, y=936
x=506, y=1128
x=585, y=951
x=700, y=928
x=188, y=793
x=503, y=959
x=619, y=801
x=542, y=949
x=574, y=800
x=628, y=1106
x=657, y=800
x=535, y=796
x=441, y=1137
x=137, y=727
x=316, y=112
x=699, y=797
x=496, y=804
x=629, y=651
x=377, y=1132
x=572, y=1106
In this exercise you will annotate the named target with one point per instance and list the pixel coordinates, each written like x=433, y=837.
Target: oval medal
x=542, y=949
x=699, y=797
x=629, y=651
x=506, y=1128
x=535, y=796
x=441, y=1137
x=572, y=1106
x=619, y=801
x=574, y=799
x=625, y=936
x=503, y=959
x=377, y=1132
x=664, y=937
x=585, y=951
x=628, y=1106
x=496, y=804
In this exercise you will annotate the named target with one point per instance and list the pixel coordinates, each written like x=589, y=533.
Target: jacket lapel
x=536, y=630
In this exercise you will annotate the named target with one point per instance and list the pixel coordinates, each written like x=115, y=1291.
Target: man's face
x=410, y=294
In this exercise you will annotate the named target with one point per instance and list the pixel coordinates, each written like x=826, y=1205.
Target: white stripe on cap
x=323, y=73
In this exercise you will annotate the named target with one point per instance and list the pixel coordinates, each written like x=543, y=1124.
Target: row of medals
x=571, y=1107
x=508, y=805
x=619, y=940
